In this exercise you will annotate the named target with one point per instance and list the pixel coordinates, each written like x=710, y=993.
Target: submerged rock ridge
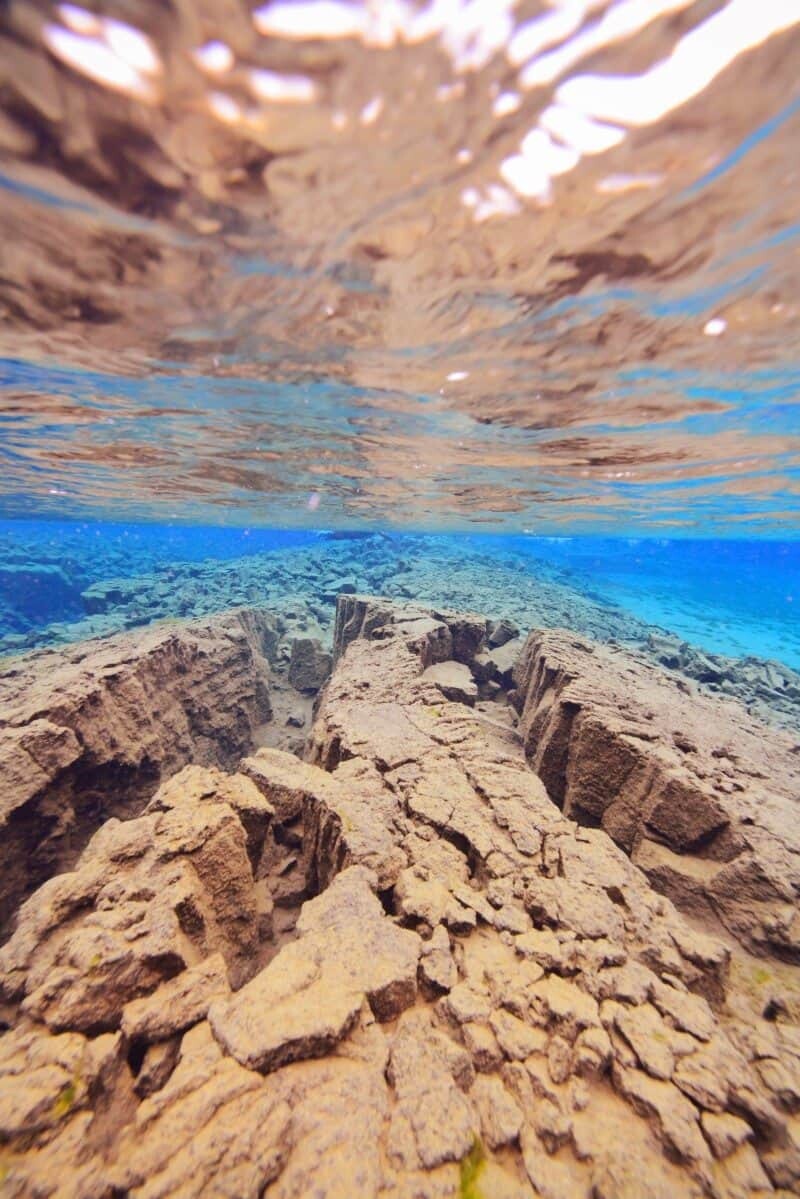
x=701, y=794
x=410, y=965
x=300, y=586
x=88, y=731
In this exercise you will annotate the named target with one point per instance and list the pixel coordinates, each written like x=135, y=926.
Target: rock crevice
x=397, y=965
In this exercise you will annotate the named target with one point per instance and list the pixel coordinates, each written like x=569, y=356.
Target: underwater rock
x=88, y=732
x=134, y=586
x=148, y=898
x=38, y=591
x=699, y=793
x=454, y=680
x=473, y=980
x=309, y=665
x=310, y=995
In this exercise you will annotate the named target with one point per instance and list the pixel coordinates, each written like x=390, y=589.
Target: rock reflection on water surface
x=524, y=265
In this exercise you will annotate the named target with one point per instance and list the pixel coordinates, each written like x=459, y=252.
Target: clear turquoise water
x=735, y=598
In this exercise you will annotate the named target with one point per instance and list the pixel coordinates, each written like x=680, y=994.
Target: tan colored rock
x=482, y=1046
x=96, y=726
x=724, y=1132
x=517, y=1039
x=212, y=1129
x=600, y=727
x=45, y=1080
x=700, y=1076
x=178, y=1004
x=646, y=1033
x=498, y=1111
x=309, y=665
x=553, y=1128
x=465, y=1004
x=552, y=1178
x=677, y=1118
x=436, y=965
x=432, y=1123
x=631, y=983
x=148, y=899
x=285, y=781
x=158, y=1063
x=593, y=1052
x=564, y=1003
x=454, y=680
x=560, y=1060
x=192, y=786
x=328, y=1071
x=309, y=997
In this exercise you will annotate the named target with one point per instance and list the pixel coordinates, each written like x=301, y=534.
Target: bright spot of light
x=619, y=21
x=224, y=107
x=474, y=34
x=496, y=201
x=696, y=60
x=372, y=110
x=506, y=103
x=539, y=160
x=587, y=136
x=214, y=57
x=78, y=19
x=715, y=327
x=548, y=29
x=98, y=61
x=131, y=46
x=449, y=91
x=457, y=376
x=313, y=501
x=615, y=184
x=293, y=89
x=311, y=19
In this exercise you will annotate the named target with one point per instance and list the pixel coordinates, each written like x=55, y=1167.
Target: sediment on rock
x=384, y=971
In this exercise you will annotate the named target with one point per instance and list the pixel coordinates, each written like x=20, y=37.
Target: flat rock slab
x=311, y=994
x=454, y=680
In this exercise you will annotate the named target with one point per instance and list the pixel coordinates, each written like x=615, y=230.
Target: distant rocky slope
x=304, y=584
x=396, y=968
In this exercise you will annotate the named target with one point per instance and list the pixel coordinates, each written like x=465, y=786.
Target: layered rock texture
x=89, y=731
x=703, y=796
x=414, y=964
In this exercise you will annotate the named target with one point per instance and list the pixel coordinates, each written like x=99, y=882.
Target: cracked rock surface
x=408, y=965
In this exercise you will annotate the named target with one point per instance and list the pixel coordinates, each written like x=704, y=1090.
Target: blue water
x=731, y=597
x=736, y=598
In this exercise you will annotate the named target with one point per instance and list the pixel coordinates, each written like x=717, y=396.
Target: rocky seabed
x=449, y=911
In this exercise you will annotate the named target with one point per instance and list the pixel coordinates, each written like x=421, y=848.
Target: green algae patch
x=64, y=1101
x=471, y=1168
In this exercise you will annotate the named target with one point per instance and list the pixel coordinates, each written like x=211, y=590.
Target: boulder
x=621, y=743
x=148, y=899
x=88, y=731
x=454, y=680
x=309, y=664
